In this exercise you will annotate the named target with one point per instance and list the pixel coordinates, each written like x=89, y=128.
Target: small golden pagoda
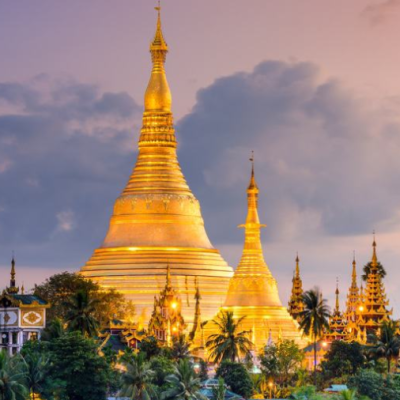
x=352, y=303
x=372, y=310
x=157, y=220
x=253, y=291
x=296, y=305
x=166, y=320
x=337, y=322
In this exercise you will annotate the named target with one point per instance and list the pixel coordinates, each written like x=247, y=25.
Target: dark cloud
x=326, y=163
x=65, y=154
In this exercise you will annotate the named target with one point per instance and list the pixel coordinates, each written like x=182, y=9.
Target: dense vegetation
x=72, y=362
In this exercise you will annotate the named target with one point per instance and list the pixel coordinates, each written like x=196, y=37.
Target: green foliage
x=180, y=348
x=137, y=380
x=367, y=270
x=162, y=367
x=368, y=383
x=343, y=359
x=387, y=343
x=183, y=383
x=59, y=289
x=229, y=343
x=280, y=362
x=80, y=315
x=13, y=377
x=219, y=390
x=236, y=377
x=76, y=364
x=203, y=373
x=150, y=347
x=314, y=319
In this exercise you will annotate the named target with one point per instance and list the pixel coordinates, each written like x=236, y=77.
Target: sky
x=313, y=87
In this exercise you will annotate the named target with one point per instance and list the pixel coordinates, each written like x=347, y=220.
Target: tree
x=162, y=367
x=80, y=315
x=184, y=384
x=219, y=390
x=367, y=270
x=343, y=359
x=203, y=372
x=236, y=377
x=150, y=346
x=59, y=288
x=37, y=366
x=387, y=343
x=229, y=342
x=314, y=319
x=180, y=347
x=53, y=330
x=78, y=367
x=368, y=383
x=281, y=361
x=137, y=380
x=12, y=378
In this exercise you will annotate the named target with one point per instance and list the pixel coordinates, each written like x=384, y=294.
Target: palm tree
x=314, y=319
x=136, y=381
x=219, y=390
x=36, y=370
x=387, y=343
x=54, y=330
x=367, y=270
x=12, y=378
x=80, y=314
x=230, y=342
x=348, y=395
x=180, y=348
x=184, y=384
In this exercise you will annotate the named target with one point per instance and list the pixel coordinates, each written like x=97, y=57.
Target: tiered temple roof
x=166, y=320
x=296, y=305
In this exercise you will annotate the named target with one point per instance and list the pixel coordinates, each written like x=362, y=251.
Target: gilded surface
x=157, y=220
x=253, y=291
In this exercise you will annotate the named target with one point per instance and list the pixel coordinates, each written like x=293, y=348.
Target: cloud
x=66, y=221
x=378, y=13
x=65, y=154
x=326, y=161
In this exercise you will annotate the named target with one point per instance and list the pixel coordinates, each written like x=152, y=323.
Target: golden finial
x=354, y=274
x=337, y=308
x=12, y=289
x=374, y=262
x=22, y=288
x=253, y=184
x=158, y=95
x=297, y=265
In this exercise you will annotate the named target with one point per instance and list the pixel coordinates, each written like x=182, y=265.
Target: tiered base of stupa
x=139, y=274
x=266, y=323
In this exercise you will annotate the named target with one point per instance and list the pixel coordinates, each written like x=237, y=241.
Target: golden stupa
x=253, y=291
x=157, y=220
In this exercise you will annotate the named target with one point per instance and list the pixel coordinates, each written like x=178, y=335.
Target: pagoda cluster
x=366, y=308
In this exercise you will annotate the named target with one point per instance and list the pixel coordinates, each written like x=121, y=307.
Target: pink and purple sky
x=313, y=87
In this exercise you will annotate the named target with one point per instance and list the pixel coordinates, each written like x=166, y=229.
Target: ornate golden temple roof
x=157, y=220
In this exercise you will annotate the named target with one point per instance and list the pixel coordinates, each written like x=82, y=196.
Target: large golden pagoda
x=157, y=220
x=253, y=291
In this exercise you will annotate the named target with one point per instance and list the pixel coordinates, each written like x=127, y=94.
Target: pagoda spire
x=296, y=305
x=252, y=265
x=353, y=297
x=13, y=289
x=337, y=303
x=252, y=260
x=374, y=260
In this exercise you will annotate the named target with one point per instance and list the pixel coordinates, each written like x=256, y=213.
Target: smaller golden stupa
x=253, y=291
